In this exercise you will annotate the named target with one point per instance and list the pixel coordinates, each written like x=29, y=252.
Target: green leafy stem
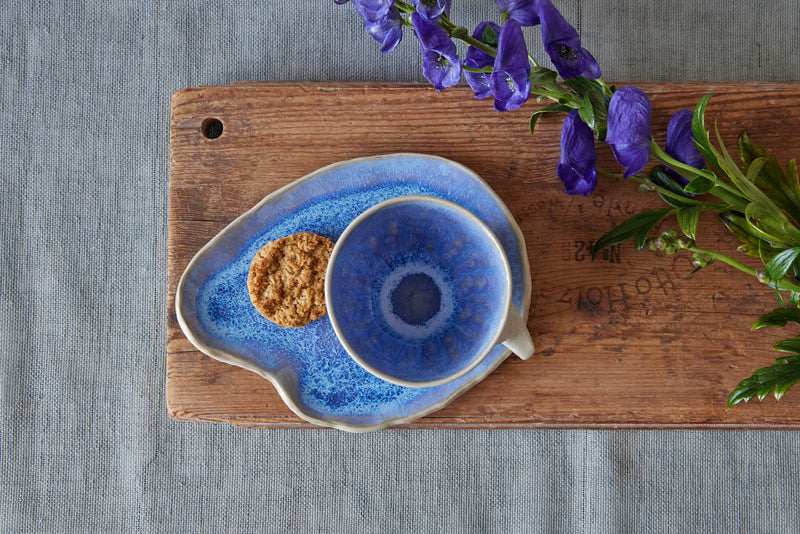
x=759, y=204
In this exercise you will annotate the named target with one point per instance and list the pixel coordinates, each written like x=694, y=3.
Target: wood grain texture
x=627, y=340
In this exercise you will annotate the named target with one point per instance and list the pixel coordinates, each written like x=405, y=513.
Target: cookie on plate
x=287, y=279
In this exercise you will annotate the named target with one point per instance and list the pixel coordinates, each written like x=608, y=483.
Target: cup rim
x=499, y=329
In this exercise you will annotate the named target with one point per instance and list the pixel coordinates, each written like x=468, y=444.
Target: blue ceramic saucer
x=311, y=370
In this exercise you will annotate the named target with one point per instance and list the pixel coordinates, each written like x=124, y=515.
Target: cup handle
x=516, y=336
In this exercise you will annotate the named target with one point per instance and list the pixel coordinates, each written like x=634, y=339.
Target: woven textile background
x=85, y=441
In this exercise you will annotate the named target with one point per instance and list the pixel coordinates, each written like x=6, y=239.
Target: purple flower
x=680, y=144
x=525, y=12
x=432, y=9
x=629, y=129
x=576, y=165
x=440, y=62
x=388, y=31
x=509, y=80
x=382, y=21
x=373, y=10
x=563, y=44
x=477, y=59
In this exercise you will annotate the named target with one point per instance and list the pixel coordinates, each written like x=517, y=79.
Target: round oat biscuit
x=287, y=279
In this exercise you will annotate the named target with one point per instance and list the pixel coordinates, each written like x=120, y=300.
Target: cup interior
x=417, y=290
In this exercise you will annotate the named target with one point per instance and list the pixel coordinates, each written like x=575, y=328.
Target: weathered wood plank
x=627, y=340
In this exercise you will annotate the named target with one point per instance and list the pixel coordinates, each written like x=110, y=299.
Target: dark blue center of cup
x=416, y=299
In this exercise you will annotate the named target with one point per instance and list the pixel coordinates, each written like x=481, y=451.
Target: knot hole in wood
x=211, y=128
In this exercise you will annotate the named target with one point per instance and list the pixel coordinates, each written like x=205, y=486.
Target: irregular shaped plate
x=312, y=372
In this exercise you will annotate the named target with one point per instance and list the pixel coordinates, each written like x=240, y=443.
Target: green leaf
x=660, y=177
x=765, y=171
x=488, y=36
x=637, y=227
x=791, y=175
x=762, y=212
x=755, y=168
x=599, y=103
x=779, y=377
x=586, y=112
x=543, y=77
x=734, y=201
x=771, y=225
x=581, y=86
x=751, y=244
x=777, y=318
x=699, y=185
x=699, y=129
x=688, y=218
x=788, y=345
x=747, y=149
x=678, y=203
x=552, y=108
x=782, y=262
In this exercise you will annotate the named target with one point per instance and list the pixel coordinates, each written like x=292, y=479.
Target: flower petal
x=510, y=81
x=628, y=132
x=555, y=28
x=680, y=143
x=525, y=12
x=432, y=9
x=440, y=62
x=388, y=31
x=477, y=59
x=563, y=44
x=576, y=164
x=373, y=10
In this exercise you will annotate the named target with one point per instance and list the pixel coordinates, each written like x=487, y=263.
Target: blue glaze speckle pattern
x=418, y=290
x=315, y=375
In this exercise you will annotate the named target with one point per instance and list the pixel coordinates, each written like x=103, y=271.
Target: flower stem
x=485, y=70
x=611, y=174
x=558, y=97
x=460, y=32
x=782, y=284
x=403, y=7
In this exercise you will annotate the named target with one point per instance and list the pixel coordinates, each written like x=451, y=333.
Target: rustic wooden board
x=628, y=340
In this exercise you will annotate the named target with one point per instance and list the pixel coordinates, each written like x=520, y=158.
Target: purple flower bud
x=525, y=12
x=432, y=9
x=509, y=80
x=440, y=62
x=576, y=164
x=563, y=44
x=629, y=129
x=477, y=59
x=680, y=144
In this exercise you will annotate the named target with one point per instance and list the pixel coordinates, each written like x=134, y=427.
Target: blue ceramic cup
x=418, y=291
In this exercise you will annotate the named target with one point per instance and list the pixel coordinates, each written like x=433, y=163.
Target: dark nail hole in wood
x=211, y=128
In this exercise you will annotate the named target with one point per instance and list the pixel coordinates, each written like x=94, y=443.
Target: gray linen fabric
x=85, y=441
